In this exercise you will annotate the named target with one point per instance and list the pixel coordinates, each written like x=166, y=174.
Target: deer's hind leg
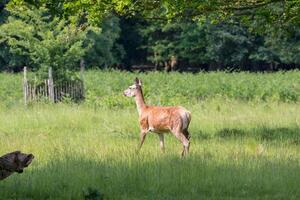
x=162, y=142
x=187, y=136
x=185, y=142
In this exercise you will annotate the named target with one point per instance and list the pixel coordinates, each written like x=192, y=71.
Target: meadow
x=245, y=139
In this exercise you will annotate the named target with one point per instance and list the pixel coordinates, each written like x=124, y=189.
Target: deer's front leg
x=143, y=136
x=144, y=131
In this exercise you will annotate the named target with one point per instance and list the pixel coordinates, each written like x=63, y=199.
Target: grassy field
x=241, y=148
x=104, y=88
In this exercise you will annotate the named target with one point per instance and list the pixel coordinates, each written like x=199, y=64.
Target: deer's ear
x=140, y=82
x=136, y=80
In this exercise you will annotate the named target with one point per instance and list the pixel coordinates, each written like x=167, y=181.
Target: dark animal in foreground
x=14, y=162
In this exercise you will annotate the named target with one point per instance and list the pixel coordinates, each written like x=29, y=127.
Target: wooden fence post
x=33, y=92
x=25, y=86
x=50, y=85
x=34, y=95
x=82, y=66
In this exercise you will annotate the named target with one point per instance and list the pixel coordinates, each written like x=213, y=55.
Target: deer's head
x=132, y=90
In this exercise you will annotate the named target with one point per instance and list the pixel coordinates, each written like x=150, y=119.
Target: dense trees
x=223, y=45
x=31, y=37
x=105, y=51
x=207, y=35
x=266, y=11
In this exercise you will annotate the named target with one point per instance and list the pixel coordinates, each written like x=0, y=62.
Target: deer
x=160, y=119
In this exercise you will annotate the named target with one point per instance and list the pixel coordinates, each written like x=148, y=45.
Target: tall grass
x=161, y=88
x=104, y=88
x=10, y=90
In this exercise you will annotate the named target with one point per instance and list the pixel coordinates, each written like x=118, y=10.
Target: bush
x=34, y=39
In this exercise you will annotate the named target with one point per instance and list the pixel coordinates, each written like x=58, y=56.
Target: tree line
x=253, y=36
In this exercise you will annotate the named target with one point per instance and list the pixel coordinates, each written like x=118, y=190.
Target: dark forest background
x=61, y=34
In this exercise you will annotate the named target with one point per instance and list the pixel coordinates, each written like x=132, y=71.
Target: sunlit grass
x=104, y=88
x=238, y=150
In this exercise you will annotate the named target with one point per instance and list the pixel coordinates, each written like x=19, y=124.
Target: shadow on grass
x=286, y=134
x=161, y=177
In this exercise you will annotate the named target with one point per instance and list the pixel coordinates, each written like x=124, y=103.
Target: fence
x=48, y=90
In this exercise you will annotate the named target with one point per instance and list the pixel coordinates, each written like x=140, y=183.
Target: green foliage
x=286, y=46
x=133, y=42
x=228, y=45
x=161, y=40
x=34, y=39
x=266, y=12
x=223, y=45
x=247, y=35
x=11, y=93
x=105, y=51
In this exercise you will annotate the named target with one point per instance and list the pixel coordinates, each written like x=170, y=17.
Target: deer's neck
x=140, y=102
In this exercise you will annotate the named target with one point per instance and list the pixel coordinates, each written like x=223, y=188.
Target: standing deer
x=160, y=119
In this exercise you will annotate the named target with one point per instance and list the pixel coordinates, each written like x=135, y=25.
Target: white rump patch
x=185, y=117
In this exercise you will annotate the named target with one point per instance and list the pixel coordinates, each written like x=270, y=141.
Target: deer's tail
x=185, y=118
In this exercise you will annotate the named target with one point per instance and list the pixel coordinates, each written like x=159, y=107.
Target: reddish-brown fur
x=161, y=119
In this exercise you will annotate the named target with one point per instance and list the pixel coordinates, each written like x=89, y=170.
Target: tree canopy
x=208, y=35
x=279, y=12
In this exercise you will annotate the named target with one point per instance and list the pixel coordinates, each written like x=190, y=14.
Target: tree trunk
x=173, y=62
x=167, y=66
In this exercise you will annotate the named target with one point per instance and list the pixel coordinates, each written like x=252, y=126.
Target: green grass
x=238, y=150
x=104, y=88
x=174, y=88
x=245, y=139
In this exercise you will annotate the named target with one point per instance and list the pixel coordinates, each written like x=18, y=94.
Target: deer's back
x=165, y=118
